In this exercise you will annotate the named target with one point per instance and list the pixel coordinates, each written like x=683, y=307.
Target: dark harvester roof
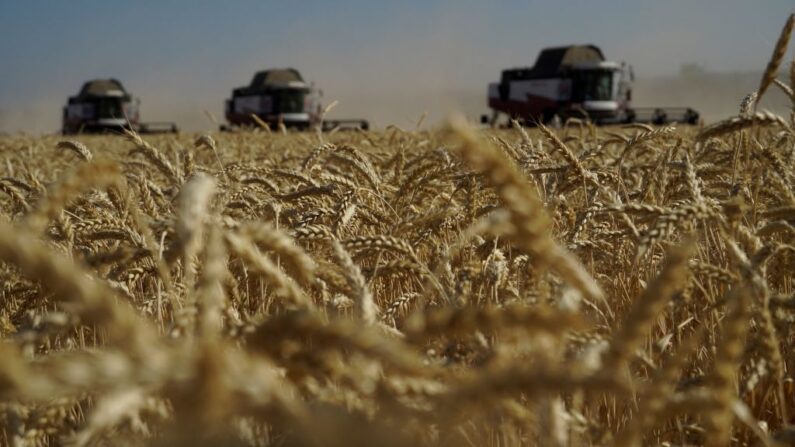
x=100, y=87
x=551, y=61
x=279, y=77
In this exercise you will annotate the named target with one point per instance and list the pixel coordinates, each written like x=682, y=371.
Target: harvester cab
x=103, y=105
x=273, y=96
x=280, y=96
x=574, y=81
x=599, y=90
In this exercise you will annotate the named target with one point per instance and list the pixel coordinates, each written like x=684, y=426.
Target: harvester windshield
x=290, y=100
x=593, y=85
x=109, y=108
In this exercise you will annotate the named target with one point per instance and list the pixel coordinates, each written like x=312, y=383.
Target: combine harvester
x=103, y=105
x=280, y=96
x=575, y=82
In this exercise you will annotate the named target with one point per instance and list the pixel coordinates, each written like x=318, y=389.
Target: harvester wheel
x=548, y=116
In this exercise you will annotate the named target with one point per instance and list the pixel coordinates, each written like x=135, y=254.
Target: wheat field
x=460, y=287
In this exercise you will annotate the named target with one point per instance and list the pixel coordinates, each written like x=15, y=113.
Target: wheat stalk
x=779, y=51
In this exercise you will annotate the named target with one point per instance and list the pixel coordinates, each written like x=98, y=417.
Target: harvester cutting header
x=103, y=105
x=281, y=96
x=575, y=81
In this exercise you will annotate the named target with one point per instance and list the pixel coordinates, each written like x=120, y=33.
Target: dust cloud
x=714, y=95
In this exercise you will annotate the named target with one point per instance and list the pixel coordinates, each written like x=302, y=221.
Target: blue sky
x=182, y=57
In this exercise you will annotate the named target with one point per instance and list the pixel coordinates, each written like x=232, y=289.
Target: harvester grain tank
x=103, y=105
x=575, y=81
x=281, y=96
